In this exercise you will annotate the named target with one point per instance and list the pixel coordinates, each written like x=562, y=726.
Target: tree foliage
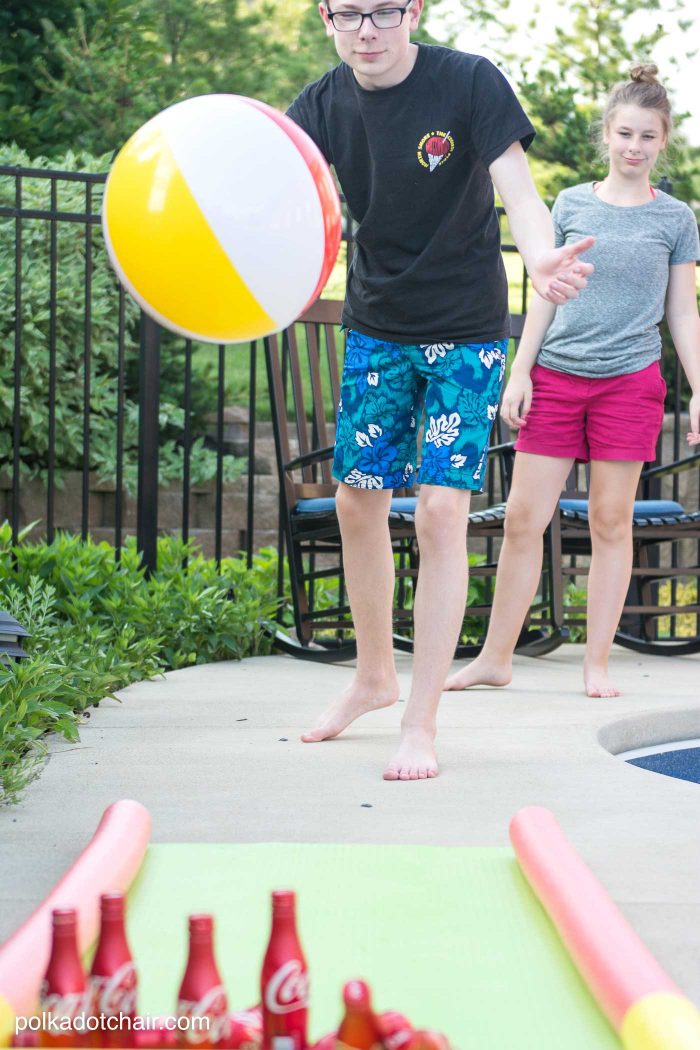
x=84, y=74
x=21, y=46
x=564, y=84
x=89, y=78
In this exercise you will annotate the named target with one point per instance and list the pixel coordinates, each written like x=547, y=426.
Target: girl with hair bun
x=586, y=384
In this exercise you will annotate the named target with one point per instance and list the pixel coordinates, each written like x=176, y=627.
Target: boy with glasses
x=418, y=135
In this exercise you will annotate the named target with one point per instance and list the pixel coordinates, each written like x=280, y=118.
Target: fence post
x=149, y=405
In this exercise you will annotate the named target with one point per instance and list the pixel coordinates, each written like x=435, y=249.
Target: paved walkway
x=214, y=753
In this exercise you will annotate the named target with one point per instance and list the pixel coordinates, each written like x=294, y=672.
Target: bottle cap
x=283, y=900
x=201, y=923
x=64, y=916
x=112, y=905
x=356, y=993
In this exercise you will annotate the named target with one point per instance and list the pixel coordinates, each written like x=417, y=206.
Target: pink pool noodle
x=616, y=965
x=108, y=863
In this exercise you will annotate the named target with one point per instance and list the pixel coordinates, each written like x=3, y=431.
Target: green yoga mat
x=453, y=937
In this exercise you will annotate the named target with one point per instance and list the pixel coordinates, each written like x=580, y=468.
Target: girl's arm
x=684, y=324
x=519, y=388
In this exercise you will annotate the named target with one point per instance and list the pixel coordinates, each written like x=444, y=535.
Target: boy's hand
x=694, y=409
x=518, y=392
x=559, y=273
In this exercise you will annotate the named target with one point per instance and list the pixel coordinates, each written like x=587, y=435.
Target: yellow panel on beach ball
x=168, y=256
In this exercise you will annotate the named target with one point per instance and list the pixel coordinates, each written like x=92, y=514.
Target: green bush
x=98, y=624
x=576, y=597
x=70, y=344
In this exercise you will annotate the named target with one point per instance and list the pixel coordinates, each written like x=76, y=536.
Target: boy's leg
x=537, y=485
x=441, y=529
x=612, y=491
x=369, y=575
x=463, y=386
x=374, y=453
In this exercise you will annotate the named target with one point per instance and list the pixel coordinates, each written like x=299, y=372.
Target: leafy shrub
x=98, y=624
x=576, y=622
x=480, y=592
x=683, y=625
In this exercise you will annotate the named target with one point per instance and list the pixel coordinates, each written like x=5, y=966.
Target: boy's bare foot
x=415, y=759
x=480, y=672
x=352, y=702
x=597, y=682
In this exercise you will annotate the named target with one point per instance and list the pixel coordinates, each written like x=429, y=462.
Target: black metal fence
x=32, y=213
x=18, y=215
x=114, y=376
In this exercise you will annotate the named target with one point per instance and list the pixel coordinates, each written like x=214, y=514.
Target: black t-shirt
x=412, y=161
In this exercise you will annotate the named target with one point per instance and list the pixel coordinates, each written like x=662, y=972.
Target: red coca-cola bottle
x=202, y=1006
x=284, y=980
x=359, y=1028
x=64, y=999
x=113, y=980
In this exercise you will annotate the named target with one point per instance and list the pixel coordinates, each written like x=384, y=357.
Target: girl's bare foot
x=415, y=758
x=597, y=682
x=480, y=671
x=354, y=701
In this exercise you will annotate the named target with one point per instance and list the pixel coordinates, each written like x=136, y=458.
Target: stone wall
x=202, y=512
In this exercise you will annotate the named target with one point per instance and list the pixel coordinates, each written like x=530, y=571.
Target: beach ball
x=221, y=219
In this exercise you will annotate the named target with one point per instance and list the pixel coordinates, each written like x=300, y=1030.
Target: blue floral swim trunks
x=386, y=387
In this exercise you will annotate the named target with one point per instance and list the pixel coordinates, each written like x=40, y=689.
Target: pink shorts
x=615, y=418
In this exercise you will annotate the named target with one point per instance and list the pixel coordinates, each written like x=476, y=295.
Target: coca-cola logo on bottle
x=288, y=989
x=214, y=1007
x=116, y=994
x=397, y=1040
x=69, y=1006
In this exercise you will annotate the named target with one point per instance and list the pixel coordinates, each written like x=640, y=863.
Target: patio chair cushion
x=646, y=511
x=401, y=506
x=322, y=505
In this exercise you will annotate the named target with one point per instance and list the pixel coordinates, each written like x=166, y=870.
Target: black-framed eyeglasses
x=384, y=18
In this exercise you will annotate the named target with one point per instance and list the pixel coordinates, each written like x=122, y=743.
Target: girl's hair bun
x=644, y=74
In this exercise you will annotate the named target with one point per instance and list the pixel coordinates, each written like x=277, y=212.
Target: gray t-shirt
x=612, y=328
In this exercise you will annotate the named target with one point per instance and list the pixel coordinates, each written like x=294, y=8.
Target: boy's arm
x=517, y=397
x=557, y=273
x=684, y=325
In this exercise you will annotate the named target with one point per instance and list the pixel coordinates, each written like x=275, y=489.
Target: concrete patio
x=214, y=753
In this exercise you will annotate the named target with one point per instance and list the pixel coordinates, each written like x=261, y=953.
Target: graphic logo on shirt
x=435, y=148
